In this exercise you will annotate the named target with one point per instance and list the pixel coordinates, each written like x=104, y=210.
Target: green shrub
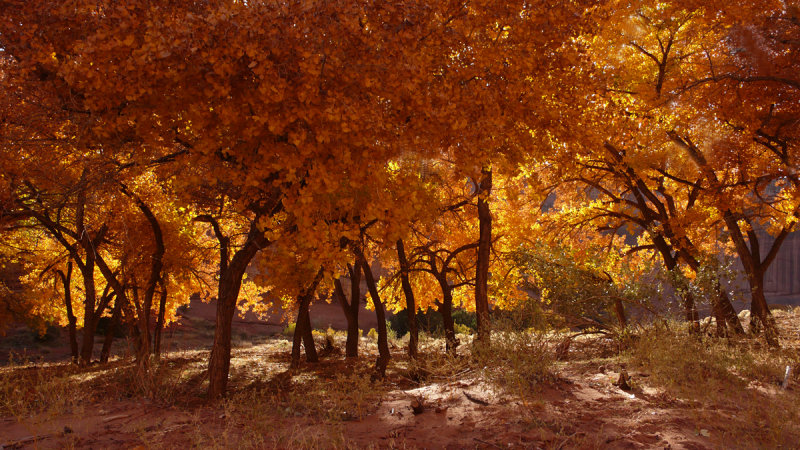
x=372, y=334
x=289, y=330
x=430, y=321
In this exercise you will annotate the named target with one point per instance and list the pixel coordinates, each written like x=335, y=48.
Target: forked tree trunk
x=302, y=329
x=156, y=265
x=383, y=341
x=411, y=305
x=230, y=282
x=351, y=348
x=748, y=249
x=66, y=280
x=484, y=250
x=755, y=268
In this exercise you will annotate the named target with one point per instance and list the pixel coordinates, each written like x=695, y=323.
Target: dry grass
x=737, y=378
x=728, y=387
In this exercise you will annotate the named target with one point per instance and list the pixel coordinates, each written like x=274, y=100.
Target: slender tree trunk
x=113, y=326
x=162, y=306
x=297, y=338
x=484, y=249
x=353, y=334
x=619, y=310
x=352, y=321
x=411, y=305
x=446, y=310
x=671, y=262
x=383, y=341
x=87, y=272
x=308, y=339
x=156, y=265
x=66, y=280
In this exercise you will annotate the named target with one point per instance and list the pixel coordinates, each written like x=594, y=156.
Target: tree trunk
x=383, y=341
x=351, y=349
x=220, y=360
x=750, y=256
x=728, y=312
x=760, y=310
x=308, y=339
x=66, y=280
x=162, y=306
x=89, y=320
x=619, y=310
x=228, y=292
x=353, y=334
x=297, y=338
x=302, y=328
x=411, y=305
x=446, y=310
x=671, y=263
x=230, y=282
x=748, y=250
x=156, y=265
x=113, y=326
x=484, y=249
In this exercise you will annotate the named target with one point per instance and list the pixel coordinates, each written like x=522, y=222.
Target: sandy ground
x=579, y=408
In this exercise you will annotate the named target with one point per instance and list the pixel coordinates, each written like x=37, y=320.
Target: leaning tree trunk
x=383, y=341
x=755, y=268
x=227, y=293
x=484, y=249
x=411, y=306
x=749, y=255
x=725, y=310
x=66, y=280
x=351, y=314
x=230, y=282
x=302, y=329
x=156, y=265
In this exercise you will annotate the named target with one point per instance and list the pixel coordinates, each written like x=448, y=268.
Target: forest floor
x=682, y=392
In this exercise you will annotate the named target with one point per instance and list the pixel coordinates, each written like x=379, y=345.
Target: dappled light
x=451, y=224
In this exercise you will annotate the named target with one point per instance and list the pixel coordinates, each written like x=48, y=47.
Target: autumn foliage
x=451, y=155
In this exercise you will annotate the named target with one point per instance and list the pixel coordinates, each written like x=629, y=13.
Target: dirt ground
x=335, y=404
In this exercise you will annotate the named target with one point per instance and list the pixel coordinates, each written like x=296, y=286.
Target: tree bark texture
x=66, y=280
x=484, y=250
x=411, y=305
x=383, y=341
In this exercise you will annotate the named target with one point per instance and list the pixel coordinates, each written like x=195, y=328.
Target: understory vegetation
x=332, y=223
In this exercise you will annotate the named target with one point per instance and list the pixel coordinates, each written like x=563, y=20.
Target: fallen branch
x=27, y=439
x=475, y=399
x=487, y=443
